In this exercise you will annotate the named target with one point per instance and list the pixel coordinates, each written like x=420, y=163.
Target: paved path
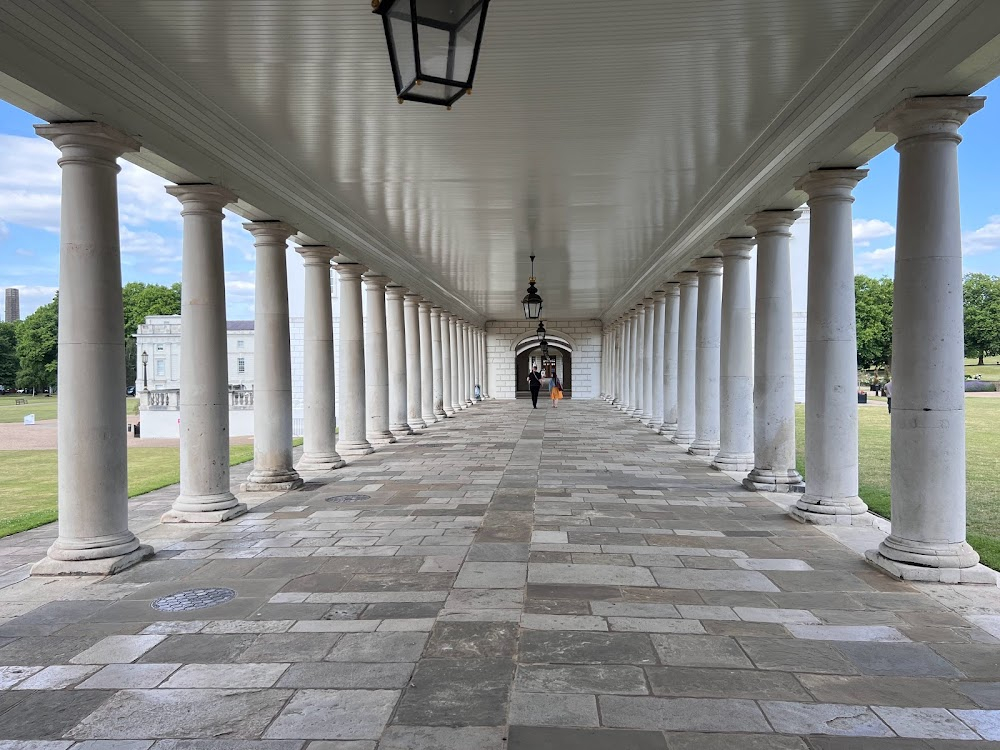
x=513, y=579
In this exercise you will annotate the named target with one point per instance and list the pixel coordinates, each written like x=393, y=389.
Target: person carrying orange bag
x=555, y=390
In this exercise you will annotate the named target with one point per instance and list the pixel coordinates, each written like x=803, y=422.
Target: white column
x=205, y=495
x=671, y=327
x=622, y=364
x=481, y=362
x=411, y=322
x=774, y=363
x=619, y=393
x=436, y=349
x=706, y=442
x=640, y=355
x=456, y=401
x=687, y=348
x=631, y=364
x=272, y=397
x=831, y=353
x=319, y=444
x=648, y=314
x=659, y=337
x=467, y=366
x=427, y=364
x=353, y=423
x=376, y=363
x=736, y=359
x=927, y=540
x=395, y=331
x=446, y=364
x=94, y=538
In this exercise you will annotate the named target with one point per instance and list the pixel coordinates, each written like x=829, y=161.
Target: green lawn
x=982, y=415
x=43, y=407
x=28, y=481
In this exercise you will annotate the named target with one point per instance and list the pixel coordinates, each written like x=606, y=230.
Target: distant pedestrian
x=555, y=390
x=535, y=384
x=887, y=390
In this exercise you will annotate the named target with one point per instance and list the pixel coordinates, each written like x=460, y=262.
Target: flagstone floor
x=512, y=578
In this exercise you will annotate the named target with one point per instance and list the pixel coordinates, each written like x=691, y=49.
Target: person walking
x=555, y=390
x=535, y=384
x=887, y=390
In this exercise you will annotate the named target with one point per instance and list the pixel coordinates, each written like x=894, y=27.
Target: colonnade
x=731, y=399
x=392, y=361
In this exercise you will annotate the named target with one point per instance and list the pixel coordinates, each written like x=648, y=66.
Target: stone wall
x=584, y=337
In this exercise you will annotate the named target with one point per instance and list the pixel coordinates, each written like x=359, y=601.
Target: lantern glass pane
x=401, y=27
x=465, y=46
x=434, y=91
x=445, y=12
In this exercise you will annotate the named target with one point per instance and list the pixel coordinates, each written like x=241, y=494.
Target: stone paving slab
x=517, y=580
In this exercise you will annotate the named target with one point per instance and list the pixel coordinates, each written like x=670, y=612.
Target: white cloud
x=32, y=297
x=4, y=232
x=876, y=261
x=25, y=252
x=29, y=182
x=866, y=230
x=143, y=199
x=151, y=247
x=984, y=240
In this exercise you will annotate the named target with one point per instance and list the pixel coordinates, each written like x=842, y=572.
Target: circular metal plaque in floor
x=348, y=498
x=191, y=599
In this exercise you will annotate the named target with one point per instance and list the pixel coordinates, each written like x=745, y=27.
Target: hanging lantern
x=545, y=350
x=540, y=331
x=433, y=46
x=531, y=301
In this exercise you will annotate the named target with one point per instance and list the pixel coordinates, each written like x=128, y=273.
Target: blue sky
x=151, y=223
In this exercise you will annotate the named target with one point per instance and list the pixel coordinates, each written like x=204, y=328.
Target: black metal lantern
x=545, y=349
x=433, y=46
x=531, y=301
x=540, y=331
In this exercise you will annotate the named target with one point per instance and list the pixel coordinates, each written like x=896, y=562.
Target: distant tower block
x=12, y=305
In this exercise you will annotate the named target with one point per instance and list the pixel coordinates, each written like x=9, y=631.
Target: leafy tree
x=37, y=347
x=140, y=300
x=873, y=308
x=981, y=302
x=8, y=355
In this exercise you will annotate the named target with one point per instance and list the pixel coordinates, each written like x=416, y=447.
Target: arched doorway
x=562, y=361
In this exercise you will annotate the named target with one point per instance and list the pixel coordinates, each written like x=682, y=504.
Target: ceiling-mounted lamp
x=531, y=301
x=540, y=331
x=433, y=46
x=545, y=349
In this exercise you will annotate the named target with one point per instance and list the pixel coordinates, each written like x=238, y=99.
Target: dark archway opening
x=523, y=364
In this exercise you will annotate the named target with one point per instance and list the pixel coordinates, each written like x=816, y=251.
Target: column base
x=381, y=438
x=682, y=438
x=733, y=462
x=401, y=430
x=203, y=516
x=767, y=480
x=668, y=429
x=429, y=419
x=449, y=412
x=646, y=420
x=272, y=480
x=469, y=403
x=104, y=566
x=440, y=416
x=825, y=511
x=703, y=448
x=320, y=462
x=904, y=571
x=417, y=424
x=655, y=427
x=352, y=450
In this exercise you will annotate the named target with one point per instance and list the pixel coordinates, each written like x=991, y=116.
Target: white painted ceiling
x=616, y=140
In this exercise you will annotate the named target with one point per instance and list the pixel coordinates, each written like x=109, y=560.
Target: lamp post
x=532, y=301
x=145, y=361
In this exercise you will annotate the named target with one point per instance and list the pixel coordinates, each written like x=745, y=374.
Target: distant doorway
x=560, y=361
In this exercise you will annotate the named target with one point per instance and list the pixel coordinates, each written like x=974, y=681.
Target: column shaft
x=272, y=398
x=446, y=363
x=426, y=364
x=637, y=368
x=205, y=494
x=411, y=321
x=94, y=538
x=376, y=363
x=353, y=423
x=671, y=326
x=626, y=363
x=456, y=400
x=686, y=352
x=736, y=359
x=436, y=345
x=831, y=353
x=774, y=362
x=707, y=358
x=395, y=330
x=648, y=313
x=659, y=338
x=927, y=541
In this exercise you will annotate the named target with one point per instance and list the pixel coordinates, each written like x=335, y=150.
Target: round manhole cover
x=191, y=599
x=348, y=498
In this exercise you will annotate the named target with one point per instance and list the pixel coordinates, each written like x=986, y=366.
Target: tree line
x=873, y=305
x=29, y=348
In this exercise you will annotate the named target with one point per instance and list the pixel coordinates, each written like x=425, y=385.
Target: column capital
x=395, y=291
x=736, y=247
x=831, y=184
x=659, y=294
x=425, y=304
x=647, y=302
x=435, y=311
x=88, y=141
x=316, y=255
x=349, y=270
x=929, y=116
x=445, y=315
x=672, y=288
x=773, y=222
x=375, y=281
x=202, y=198
x=269, y=232
x=708, y=266
x=411, y=299
x=687, y=278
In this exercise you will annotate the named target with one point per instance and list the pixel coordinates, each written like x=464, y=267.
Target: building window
x=241, y=365
x=159, y=347
x=161, y=367
x=239, y=343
